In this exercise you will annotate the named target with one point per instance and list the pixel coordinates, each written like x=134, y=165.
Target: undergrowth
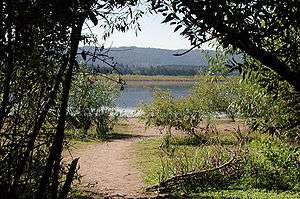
x=268, y=167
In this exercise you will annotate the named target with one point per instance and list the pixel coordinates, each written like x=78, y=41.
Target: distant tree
x=266, y=30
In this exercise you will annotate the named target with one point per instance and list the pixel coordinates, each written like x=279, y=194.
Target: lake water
x=137, y=92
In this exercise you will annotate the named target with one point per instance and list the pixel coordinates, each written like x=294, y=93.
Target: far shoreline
x=160, y=78
x=147, y=78
x=169, y=79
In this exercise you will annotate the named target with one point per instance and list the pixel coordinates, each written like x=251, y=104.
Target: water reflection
x=138, y=92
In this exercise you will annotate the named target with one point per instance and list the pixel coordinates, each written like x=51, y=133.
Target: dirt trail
x=107, y=168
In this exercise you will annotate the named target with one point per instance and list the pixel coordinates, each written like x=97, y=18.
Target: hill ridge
x=146, y=57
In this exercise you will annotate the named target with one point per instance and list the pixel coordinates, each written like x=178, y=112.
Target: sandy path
x=108, y=169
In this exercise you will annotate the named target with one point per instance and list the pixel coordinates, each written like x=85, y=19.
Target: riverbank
x=132, y=79
x=160, y=78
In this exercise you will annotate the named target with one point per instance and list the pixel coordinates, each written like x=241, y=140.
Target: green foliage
x=206, y=100
x=91, y=103
x=105, y=122
x=272, y=164
x=164, y=111
x=271, y=36
x=39, y=44
x=31, y=70
x=161, y=112
x=272, y=100
x=268, y=103
x=265, y=163
x=216, y=95
x=250, y=194
x=217, y=62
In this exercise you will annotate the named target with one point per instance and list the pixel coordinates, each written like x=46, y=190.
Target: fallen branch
x=177, y=179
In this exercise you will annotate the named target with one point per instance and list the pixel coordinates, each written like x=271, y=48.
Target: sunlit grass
x=190, y=155
x=253, y=194
x=187, y=156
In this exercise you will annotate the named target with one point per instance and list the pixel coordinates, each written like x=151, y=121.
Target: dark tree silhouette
x=267, y=30
x=39, y=43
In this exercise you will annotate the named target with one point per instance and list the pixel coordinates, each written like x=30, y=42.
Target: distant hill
x=152, y=61
x=135, y=56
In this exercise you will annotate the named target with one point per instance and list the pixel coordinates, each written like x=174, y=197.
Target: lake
x=137, y=92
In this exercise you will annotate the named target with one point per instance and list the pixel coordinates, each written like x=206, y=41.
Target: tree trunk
x=57, y=145
x=66, y=188
x=37, y=126
x=8, y=69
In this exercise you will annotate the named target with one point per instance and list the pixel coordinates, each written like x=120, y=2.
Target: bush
x=164, y=111
x=217, y=95
x=91, y=103
x=272, y=163
x=207, y=100
x=105, y=122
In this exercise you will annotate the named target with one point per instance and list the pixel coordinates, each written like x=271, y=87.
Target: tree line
x=151, y=70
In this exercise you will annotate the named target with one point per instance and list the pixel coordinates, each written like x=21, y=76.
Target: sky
x=153, y=34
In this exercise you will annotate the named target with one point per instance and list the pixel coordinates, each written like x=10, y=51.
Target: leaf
x=130, y=11
x=93, y=18
x=177, y=28
x=168, y=18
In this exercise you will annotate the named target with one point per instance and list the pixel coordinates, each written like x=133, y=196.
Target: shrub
x=91, y=103
x=217, y=95
x=164, y=111
x=269, y=104
x=161, y=111
x=105, y=121
x=272, y=163
x=206, y=101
